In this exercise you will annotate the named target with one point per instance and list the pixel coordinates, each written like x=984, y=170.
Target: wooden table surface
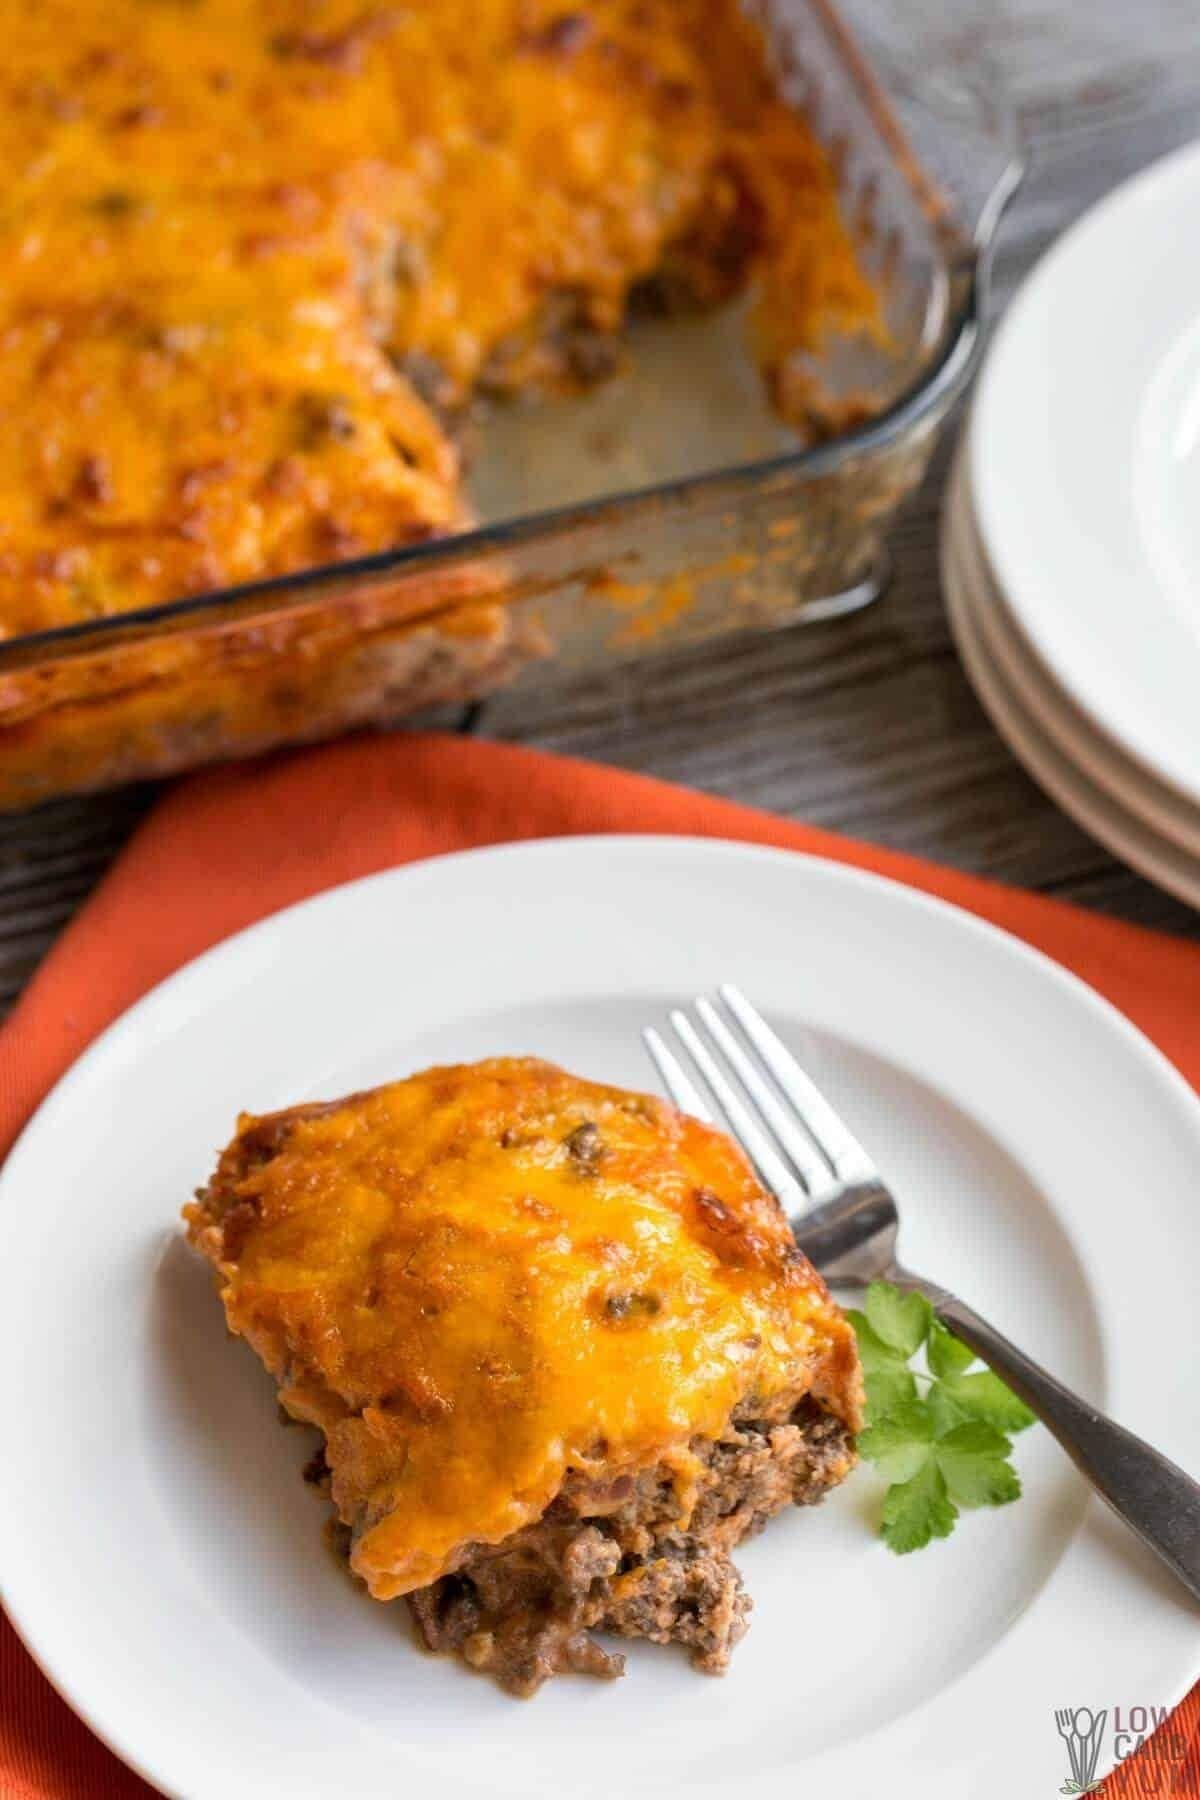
x=866, y=725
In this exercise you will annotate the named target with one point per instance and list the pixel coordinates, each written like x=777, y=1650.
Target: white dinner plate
x=1093, y=755
x=163, y=1559
x=973, y=608
x=1084, y=453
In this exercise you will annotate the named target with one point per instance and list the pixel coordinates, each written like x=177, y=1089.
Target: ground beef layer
x=617, y=1556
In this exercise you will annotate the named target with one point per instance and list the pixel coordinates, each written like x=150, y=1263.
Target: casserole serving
x=561, y=1345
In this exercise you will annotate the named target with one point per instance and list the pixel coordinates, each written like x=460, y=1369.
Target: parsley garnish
x=938, y=1435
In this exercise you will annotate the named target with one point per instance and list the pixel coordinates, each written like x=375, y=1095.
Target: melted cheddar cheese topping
x=481, y=1278
x=244, y=243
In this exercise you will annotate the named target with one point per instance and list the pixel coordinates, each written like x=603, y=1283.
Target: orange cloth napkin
x=225, y=848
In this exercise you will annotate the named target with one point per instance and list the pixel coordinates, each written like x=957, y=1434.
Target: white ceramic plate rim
x=1102, y=762
x=625, y=870
x=1052, y=491
x=969, y=605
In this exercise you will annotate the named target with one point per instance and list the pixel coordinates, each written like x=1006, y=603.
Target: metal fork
x=845, y=1220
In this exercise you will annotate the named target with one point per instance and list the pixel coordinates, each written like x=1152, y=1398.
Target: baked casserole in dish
x=251, y=245
x=263, y=261
x=561, y=1344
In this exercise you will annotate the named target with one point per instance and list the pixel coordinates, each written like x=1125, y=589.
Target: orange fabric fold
x=226, y=848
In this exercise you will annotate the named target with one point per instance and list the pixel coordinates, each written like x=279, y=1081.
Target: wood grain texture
x=868, y=725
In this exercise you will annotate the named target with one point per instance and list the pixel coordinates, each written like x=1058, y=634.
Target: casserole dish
x=669, y=505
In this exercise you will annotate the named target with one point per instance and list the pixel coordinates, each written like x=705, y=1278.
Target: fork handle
x=1152, y=1494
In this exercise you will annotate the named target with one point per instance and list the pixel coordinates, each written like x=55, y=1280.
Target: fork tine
x=842, y=1149
x=810, y=1165
x=677, y=1082
x=745, y=1127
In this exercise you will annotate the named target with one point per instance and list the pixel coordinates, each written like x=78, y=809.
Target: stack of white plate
x=1071, y=533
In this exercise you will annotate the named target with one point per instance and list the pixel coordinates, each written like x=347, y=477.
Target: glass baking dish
x=666, y=507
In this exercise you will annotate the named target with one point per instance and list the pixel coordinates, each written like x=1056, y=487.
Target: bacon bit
x=115, y=203
x=713, y=1210
x=624, y=1309
x=237, y=1224
x=194, y=481
x=734, y=1242
x=324, y=418
x=342, y=50
x=585, y=1147
x=99, y=59
x=640, y=72
x=133, y=117
x=417, y=1395
x=424, y=531
x=286, y=478
x=564, y=36
x=334, y=539
x=93, y=482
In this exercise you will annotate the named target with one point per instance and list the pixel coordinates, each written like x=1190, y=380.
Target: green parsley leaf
x=900, y=1444
x=943, y=1407
x=941, y=1449
x=984, y=1396
x=917, y=1511
x=901, y=1320
x=974, y=1461
x=945, y=1354
x=889, y=1388
x=876, y=1356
